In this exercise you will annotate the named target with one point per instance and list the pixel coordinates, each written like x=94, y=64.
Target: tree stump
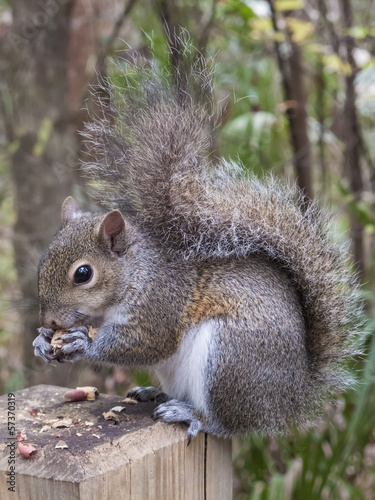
x=133, y=459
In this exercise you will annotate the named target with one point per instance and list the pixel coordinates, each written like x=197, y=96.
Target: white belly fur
x=182, y=376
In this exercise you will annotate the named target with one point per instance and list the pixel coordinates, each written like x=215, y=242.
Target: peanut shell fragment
x=87, y=393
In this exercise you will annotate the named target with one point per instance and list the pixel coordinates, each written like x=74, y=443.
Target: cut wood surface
x=134, y=459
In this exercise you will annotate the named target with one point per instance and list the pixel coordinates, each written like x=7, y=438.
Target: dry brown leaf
x=65, y=422
x=130, y=401
x=51, y=421
x=118, y=408
x=109, y=415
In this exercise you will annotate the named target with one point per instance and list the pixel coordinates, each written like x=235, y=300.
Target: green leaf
x=334, y=63
x=13, y=147
x=142, y=378
x=43, y=136
x=301, y=30
x=358, y=32
x=262, y=122
x=281, y=5
x=250, y=123
x=344, y=190
x=239, y=7
x=240, y=125
x=276, y=488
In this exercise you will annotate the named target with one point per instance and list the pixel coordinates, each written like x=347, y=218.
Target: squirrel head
x=81, y=272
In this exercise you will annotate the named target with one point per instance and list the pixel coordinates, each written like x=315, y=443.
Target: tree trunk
x=321, y=111
x=352, y=156
x=297, y=117
x=42, y=162
x=291, y=70
x=44, y=69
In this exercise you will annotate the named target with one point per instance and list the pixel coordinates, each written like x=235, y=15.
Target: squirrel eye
x=82, y=275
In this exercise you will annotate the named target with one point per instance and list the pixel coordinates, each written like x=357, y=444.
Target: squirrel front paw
x=178, y=411
x=76, y=345
x=42, y=345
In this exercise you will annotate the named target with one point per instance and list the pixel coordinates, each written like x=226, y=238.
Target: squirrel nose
x=48, y=321
x=54, y=325
x=51, y=324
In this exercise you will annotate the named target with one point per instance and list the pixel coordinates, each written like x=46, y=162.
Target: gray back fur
x=150, y=156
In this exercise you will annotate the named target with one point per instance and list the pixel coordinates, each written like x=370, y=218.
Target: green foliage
x=10, y=376
x=142, y=379
x=362, y=209
x=238, y=8
x=255, y=131
x=7, y=216
x=43, y=136
x=282, y=5
x=14, y=382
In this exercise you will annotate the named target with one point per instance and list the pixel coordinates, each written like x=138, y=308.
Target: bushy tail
x=151, y=158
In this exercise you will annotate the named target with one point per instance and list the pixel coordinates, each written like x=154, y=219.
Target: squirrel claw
x=46, y=332
x=155, y=418
x=178, y=411
x=42, y=345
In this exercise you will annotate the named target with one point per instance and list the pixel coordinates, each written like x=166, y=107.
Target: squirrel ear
x=69, y=210
x=112, y=232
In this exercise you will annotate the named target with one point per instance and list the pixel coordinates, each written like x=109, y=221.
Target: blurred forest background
x=295, y=83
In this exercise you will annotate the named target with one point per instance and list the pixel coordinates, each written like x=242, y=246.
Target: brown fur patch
x=210, y=299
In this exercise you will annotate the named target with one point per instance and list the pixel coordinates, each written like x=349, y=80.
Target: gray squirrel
x=230, y=289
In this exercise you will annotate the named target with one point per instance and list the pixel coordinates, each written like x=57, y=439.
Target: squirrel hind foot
x=175, y=411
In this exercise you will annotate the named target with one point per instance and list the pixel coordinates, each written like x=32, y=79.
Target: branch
x=168, y=17
x=205, y=34
x=8, y=125
x=352, y=159
x=335, y=39
x=107, y=47
x=294, y=91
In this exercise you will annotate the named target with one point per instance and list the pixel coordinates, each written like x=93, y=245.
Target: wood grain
x=138, y=459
